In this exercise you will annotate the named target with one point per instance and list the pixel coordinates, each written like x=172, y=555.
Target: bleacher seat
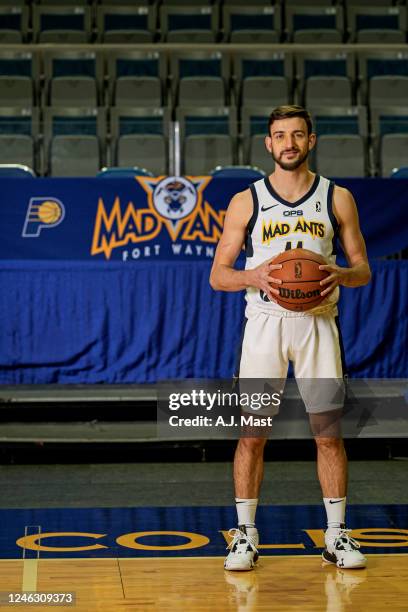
x=389, y=132
x=252, y=24
x=328, y=74
x=373, y=64
x=276, y=66
x=315, y=24
x=198, y=76
x=346, y=121
x=376, y=24
x=208, y=137
x=341, y=156
x=19, y=129
x=394, y=153
x=14, y=20
x=72, y=78
x=19, y=77
x=62, y=24
x=139, y=137
x=74, y=141
x=386, y=89
x=254, y=128
x=126, y=24
x=191, y=24
x=136, y=78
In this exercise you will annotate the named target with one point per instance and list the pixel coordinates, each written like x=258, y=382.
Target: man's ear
x=268, y=143
x=312, y=141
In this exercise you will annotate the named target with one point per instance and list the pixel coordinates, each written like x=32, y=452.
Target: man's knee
x=329, y=443
x=252, y=445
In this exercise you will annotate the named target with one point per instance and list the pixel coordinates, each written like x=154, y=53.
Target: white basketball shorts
x=311, y=342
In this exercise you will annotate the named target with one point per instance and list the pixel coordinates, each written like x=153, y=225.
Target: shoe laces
x=241, y=539
x=347, y=543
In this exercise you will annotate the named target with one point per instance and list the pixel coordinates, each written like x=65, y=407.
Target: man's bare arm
x=223, y=276
x=358, y=273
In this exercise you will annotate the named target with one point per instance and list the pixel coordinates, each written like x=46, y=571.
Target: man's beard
x=293, y=165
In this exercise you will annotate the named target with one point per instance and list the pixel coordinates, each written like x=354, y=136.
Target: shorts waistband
x=252, y=309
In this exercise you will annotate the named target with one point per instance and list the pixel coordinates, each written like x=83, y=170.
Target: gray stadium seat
x=386, y=89
x=72, y=78
x=258, y=155
x=393, y=153
x=69, y=91
x=74, y=156
x=203, y=153
x=17, y=149
x=381, y=37
x=322, y=91
x=340, y=121
x=387, y=122
x=341, y=156
x=16, y=91
x=19, y=130
x=314, y=19
x=191, y=65
x=243, y=23
x=138, y=91
x=139, y=137
x=254, y=64
x=148, y=150
x=265, y=90
x=62, y=24
x=321, y=65
x=189, y=24
x=378, y=64
x=207, y=134
x=378, y=18
x=254, y=128
x=193, y=90
x=126, y=24
x=74, y=137
x=13, y=23
x=317, y=37
x=132, y=66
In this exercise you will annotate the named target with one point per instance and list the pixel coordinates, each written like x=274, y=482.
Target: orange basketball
x=300, y=276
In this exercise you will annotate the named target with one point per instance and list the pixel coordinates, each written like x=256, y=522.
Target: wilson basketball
x=300, y=276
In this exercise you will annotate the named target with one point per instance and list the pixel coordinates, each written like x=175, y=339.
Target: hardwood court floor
x=278, y=584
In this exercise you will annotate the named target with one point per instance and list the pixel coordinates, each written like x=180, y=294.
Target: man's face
x=289, y=143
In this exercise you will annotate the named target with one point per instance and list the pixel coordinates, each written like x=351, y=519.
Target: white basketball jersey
x=277, y=225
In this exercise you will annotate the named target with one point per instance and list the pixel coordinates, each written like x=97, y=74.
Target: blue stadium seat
x=114, y=172
x=132, y=70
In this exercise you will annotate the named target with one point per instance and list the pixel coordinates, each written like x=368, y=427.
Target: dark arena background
x=125, y=130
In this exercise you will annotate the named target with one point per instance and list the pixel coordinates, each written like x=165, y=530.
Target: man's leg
x=248, y=467
x=332, y=466
x=248, y=474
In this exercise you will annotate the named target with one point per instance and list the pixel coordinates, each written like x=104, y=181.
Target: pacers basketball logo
x=42, y=213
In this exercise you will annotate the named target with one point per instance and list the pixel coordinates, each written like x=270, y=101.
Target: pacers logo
x=42, y=213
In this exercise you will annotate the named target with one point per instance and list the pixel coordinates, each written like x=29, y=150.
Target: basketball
x=300, y=276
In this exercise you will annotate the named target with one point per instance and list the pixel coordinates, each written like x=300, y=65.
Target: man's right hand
x=261, y=277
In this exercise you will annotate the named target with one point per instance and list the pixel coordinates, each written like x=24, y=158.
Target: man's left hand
x=337, y=276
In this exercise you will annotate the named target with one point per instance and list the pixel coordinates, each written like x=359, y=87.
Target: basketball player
x=274, y=335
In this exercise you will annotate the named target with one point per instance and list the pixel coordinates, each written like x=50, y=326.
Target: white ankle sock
x=335, y=510
x=246, y=510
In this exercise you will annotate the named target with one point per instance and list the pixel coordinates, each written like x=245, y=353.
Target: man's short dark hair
x=287, y=112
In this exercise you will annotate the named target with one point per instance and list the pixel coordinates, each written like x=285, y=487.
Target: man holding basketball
x=262, y=217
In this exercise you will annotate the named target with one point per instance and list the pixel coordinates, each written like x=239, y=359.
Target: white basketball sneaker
x=343, y=551
x=243, y=553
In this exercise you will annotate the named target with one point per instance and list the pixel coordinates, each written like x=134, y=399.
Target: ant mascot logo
x=175, y=205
